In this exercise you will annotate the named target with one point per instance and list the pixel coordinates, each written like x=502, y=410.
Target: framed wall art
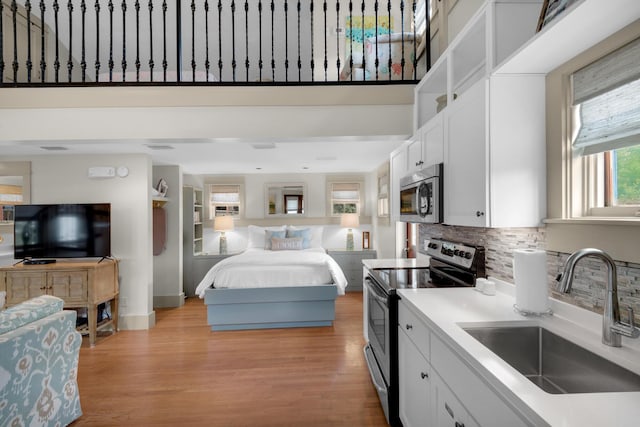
x=551, y=9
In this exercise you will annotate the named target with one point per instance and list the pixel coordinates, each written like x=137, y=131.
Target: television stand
x=38, y=261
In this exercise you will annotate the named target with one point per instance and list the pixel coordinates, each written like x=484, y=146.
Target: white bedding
x=259, y=268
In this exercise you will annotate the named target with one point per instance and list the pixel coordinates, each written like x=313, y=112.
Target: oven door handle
x=374, y=371
x=375, y=293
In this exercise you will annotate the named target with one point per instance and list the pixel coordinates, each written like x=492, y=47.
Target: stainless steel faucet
x=612, y=328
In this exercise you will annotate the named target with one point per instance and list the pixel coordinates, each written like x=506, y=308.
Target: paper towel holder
x=528, y=313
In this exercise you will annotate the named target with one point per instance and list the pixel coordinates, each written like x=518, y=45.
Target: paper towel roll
x=530, y=277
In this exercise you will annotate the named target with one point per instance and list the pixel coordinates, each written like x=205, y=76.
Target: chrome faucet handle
x=627, y=329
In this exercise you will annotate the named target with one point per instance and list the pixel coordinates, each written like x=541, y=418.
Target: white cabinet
x=398, y=163
x=428, y=147
x=447, y=409
x=495, y=154
x=415, y=382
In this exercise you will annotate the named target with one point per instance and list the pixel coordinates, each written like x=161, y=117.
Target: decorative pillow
x=316, y=234
x=304, y=233
x=270, y=234
x=257, y=235
x=286, y=244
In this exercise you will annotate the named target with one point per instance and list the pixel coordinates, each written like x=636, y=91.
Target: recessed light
x=305, y=167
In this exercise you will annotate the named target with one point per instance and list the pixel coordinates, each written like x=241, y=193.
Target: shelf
x=580, y=27
x=158, y=202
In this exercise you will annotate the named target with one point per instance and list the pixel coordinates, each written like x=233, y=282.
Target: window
x=606, y=131
x=224, y=199
x=344, y=197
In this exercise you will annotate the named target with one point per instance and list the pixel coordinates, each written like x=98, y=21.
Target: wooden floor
x=181, y=373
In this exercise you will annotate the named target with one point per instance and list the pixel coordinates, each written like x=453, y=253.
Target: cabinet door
x=71, y=286
x=465, y=171
x=447, y=409
x=398, y=170
x=415, y=153
x=414, y=383
x=23, y=285
x=432, y=135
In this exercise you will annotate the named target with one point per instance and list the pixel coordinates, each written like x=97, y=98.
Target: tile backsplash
x=588, y=290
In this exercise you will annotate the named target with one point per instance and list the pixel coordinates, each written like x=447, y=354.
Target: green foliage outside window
x=627, y=167
x=340, y=208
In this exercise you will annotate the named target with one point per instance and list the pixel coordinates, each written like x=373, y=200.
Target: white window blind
x=345, y=197
x=224, y=200
x=606, y=103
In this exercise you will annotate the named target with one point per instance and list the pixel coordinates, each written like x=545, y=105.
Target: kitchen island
x=464, y=378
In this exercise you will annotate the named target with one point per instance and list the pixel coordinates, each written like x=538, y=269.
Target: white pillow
x=286, y=244
x=257, y=235
x=316, y=234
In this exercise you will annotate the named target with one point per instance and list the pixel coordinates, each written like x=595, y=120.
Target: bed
x=284, y=279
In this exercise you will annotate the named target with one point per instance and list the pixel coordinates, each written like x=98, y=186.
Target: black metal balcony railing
x=221, y=41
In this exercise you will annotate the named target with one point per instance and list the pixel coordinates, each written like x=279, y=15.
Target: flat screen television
x=62, y=231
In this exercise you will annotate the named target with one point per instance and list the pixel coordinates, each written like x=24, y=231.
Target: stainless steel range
x=452, y=264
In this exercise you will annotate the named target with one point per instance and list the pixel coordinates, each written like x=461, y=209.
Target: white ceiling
x=232, y=156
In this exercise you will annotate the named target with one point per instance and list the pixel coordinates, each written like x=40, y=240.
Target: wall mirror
x=285, y=199
x=15, y=188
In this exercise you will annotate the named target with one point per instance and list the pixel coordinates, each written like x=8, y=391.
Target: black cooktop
x=391, y=279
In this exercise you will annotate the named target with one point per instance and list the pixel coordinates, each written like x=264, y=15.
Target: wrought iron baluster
x=151, y=63
x=312, y=64
x=325, y=64
x=338, y=38
x=260, y=63
x=83, y=61
x=233, y=39
x=96, y=6
x=377, y=61
x=364, y=65
x=415, y=42
x=136, y=6
x=206, y=38
x=193, y=40
x=351, y=40
x=124, y=39
x=56, y=63
x=43, y=63
x=273, y=59
x=389, y=62
x=286, y=41
x=14, y=14
x=27, y=6
x=164, y=40
x=220, y=39
x=178, y=40
x=2, y=42
x=111, y=63
x=299, y=60
x=401, y=40
x=246, y=37
x=70, y=59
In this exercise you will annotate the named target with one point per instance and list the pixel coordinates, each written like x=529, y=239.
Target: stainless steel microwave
x=421, y=196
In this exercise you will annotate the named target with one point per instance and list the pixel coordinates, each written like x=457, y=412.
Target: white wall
x=167, y=266
x=63, y=179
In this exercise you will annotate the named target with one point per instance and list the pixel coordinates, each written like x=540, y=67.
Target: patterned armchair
x=39, y=350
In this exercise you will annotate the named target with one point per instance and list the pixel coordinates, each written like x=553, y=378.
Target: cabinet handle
x=459, y=424
x=446, y=407
x=408, y=326
x=43, y=288
x=424, y=375
x=479, y=214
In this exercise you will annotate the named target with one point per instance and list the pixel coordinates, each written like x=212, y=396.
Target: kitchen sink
x=553, y=363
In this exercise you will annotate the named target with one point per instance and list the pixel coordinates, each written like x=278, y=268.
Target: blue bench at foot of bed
x=264, y=308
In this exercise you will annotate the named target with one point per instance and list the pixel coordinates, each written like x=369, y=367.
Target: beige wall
x=620, y=240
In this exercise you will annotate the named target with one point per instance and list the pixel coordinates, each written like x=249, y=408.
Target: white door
x=465, y=171
x=414, y=384
x=432, y=136
x=447, y=409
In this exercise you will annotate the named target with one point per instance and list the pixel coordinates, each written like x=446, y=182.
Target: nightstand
x=200, y=265
x=351, y=264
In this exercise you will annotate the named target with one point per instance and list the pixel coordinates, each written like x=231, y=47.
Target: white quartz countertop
x=446, y=310
x=396, y=263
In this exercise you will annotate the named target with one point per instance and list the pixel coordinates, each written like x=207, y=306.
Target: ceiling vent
x=160, y=147
x=54, y=148
x=264, y=145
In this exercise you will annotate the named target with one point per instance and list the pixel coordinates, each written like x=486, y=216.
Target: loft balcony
x=212, y=42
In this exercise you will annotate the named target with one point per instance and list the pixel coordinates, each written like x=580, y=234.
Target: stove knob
x=457, y=252
x=467, y=255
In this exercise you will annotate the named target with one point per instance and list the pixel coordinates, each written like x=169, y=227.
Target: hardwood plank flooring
x=181, y=373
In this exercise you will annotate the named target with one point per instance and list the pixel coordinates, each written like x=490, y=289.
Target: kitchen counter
x=396, y=263
x=447, y=309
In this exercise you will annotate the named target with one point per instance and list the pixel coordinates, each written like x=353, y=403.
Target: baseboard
x=137, y=322
x=168, y=301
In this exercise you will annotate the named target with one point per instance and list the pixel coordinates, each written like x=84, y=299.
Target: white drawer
x=415, y=328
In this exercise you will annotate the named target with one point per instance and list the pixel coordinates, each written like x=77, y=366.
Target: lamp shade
x=223, y=223
x=350, y=220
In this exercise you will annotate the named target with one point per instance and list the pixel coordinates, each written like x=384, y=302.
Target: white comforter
x=258, y=268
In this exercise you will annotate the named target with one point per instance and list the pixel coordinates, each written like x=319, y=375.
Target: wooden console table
x=81, y=284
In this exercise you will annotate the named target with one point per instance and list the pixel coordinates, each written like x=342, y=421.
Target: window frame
x=360, y=203
x=211, y=205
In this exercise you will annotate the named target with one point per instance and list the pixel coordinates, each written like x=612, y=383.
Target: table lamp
x=350, y=221
x=222, y=224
